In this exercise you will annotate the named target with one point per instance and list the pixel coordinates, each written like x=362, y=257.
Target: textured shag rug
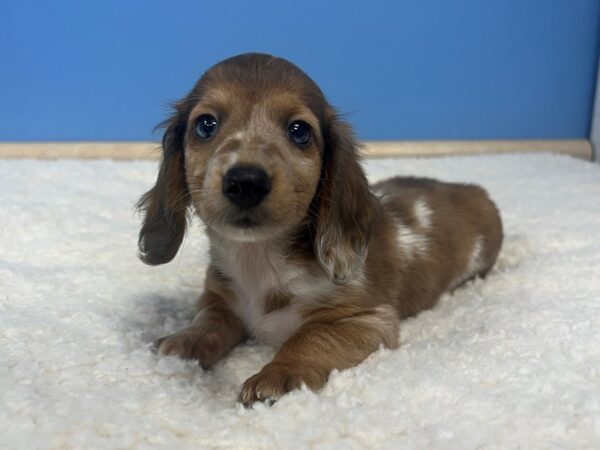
x=510, y=361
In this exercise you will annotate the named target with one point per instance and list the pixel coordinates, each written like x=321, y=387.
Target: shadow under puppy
x=304, y=254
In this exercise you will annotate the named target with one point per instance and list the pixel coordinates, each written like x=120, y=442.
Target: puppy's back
x=447, y=232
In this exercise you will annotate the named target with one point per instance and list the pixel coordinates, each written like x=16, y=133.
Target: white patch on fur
x=225, y=161
x=239, y=135
x=423, y=213
x=276, y=327
x=411, y=242
x=383, y=196
x=306, y=287
x=230, y=160
x=474, y=265
x=475, y=259
x=257, y=271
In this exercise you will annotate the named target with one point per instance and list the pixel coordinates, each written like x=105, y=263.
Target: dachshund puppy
x=305, y=255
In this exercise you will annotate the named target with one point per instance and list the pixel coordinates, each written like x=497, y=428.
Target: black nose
x=246, y=186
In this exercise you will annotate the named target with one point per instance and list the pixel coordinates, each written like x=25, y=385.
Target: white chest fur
x=258, y=271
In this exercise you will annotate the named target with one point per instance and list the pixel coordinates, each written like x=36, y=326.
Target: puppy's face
x=257, y=151
x=253, y=153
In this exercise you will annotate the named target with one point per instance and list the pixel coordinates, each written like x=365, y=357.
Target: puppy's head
x=258, y=152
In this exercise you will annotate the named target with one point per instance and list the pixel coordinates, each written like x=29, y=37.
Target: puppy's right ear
x=164, y=207
x=347, y=207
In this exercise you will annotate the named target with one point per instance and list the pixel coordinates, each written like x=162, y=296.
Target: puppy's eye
x=299, y=132
x=206, y=126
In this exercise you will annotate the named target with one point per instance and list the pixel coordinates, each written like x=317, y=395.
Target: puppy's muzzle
x=246, y=186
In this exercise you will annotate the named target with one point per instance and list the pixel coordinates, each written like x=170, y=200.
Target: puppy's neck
x=240, y=259
x=254, y=268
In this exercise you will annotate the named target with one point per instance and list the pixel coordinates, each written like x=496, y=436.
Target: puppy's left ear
x=346, y=206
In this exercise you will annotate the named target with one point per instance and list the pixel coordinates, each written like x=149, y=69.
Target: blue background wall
x=410, y=69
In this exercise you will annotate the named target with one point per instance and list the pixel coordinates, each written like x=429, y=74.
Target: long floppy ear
x=346, y=207
x=165, y=206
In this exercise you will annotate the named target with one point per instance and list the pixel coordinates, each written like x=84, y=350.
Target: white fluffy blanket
x=510, y=361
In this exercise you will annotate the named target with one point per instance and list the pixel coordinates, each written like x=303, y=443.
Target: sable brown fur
x=325, y=266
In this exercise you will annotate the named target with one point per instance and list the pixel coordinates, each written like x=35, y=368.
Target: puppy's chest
x=269, y=290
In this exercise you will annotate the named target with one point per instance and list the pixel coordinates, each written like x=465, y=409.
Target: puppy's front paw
x=276, y=379
x=192, y=343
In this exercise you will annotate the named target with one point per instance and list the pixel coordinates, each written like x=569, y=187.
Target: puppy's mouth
x=244, y=226
x=246, y=221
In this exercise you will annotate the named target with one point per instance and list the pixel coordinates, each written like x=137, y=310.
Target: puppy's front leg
x=213, y=333
x=332, y=338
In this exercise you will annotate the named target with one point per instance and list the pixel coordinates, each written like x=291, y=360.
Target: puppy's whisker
x=199, y=192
